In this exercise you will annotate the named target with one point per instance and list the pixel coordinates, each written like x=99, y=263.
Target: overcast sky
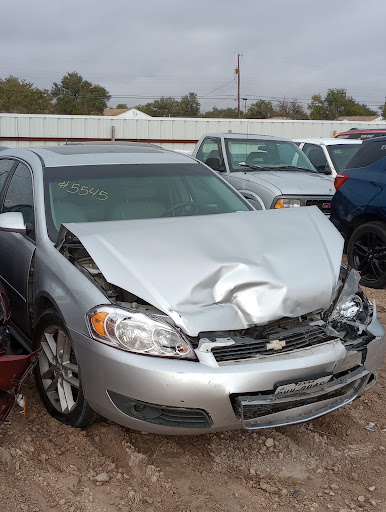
x=140, y=50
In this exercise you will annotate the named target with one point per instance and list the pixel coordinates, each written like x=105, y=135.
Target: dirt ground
x=334, y=464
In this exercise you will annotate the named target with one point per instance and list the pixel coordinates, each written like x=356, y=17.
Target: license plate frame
x=296, y=387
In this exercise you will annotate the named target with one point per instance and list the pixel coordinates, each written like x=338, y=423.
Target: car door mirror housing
x=13, y=222
x=254, y=203
x=327, y=169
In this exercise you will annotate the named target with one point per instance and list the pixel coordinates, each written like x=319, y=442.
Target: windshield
x=123, y=192
x=341, y=154
x=265, y=153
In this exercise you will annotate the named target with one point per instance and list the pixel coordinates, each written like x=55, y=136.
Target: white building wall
x=17, y=130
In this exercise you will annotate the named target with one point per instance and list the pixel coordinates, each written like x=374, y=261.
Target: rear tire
x=57, y=374
x=366, y=252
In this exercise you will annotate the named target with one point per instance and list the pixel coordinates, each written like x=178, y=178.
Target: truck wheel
x=57, y=374
x=366, y=252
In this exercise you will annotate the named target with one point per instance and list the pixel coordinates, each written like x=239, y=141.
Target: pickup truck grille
x=323, y=204
x=246, y=349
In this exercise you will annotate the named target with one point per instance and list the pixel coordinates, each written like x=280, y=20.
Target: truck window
x=211, y=154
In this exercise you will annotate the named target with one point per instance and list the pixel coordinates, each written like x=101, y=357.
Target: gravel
x=337, y=465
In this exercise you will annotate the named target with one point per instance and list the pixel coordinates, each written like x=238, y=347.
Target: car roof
x=374, y=139
x=328, y=141
x=101, y=153
x=246, y=136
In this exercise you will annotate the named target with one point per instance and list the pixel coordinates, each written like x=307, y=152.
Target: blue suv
x=358, y=211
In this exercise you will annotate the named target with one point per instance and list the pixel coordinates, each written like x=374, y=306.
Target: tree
x=225, y=113
x=76, y=96
x=291, y=109
x=121, y=105
x=164, y=107
x=336, y=104
x=383, y=110
x=262, y=109
x=189, y=106
x=21, y=97
x=317, y=107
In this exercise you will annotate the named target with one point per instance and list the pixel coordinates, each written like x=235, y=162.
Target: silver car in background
x=268, y=170
x=163, y=301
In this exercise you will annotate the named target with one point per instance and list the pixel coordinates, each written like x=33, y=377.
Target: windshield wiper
x=294, y=168
x=276, y=168
x=256, y=167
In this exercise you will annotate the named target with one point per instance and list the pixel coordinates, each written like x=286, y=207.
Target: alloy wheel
x=369, y=256
x=59, y=370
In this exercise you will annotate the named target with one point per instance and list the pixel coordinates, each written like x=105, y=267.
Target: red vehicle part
x=14, y=370
x=361, y=134
x=340, y=179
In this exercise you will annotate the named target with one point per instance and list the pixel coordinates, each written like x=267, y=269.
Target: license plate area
x=295, y=387
x=288, y=406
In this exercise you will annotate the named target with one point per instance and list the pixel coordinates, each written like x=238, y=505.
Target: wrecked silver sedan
x=163, y=301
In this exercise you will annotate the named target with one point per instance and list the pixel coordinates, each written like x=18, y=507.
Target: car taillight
x=340, y=179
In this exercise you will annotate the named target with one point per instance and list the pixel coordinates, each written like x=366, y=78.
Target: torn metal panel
x=221, y=272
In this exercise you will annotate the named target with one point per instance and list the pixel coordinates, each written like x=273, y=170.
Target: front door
x=210, y=153
x=17, y=250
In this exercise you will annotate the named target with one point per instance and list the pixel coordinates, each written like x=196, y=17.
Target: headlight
x=349, y=309
x=287, y=203
x=136, y=332
x=349, y=304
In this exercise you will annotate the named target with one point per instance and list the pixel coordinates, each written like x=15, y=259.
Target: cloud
x=290, y=48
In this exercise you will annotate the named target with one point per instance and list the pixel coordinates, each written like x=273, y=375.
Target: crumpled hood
x=293, y=182
x=221, y=272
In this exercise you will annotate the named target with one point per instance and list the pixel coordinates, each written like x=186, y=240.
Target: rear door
x=17, y=250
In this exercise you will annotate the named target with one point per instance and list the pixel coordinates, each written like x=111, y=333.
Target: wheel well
x=43, y=304
x=358, y=221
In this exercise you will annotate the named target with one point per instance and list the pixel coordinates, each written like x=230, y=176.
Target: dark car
x=358, y=211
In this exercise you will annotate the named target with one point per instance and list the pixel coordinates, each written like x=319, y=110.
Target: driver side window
x=5, y=166
x=211, y=154
x=19, y=197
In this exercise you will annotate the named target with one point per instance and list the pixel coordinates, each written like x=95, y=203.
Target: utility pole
x=238, y=83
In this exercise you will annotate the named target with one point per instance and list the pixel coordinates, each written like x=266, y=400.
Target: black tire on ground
x=57, y=374
x=366, y=252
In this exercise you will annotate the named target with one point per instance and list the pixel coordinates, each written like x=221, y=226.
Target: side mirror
x=12, y=221
x=255, y=204
x=327, y=169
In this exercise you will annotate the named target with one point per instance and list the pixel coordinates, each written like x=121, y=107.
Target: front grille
x=244, y=348
x=178, y=417
x=323, y=204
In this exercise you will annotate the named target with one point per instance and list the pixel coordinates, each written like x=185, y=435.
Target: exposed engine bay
x=348, y=319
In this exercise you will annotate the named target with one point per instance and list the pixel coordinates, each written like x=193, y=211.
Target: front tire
x=57, y=374
x=366, y=252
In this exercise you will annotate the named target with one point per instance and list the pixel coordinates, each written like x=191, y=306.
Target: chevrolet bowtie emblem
x=275, y=345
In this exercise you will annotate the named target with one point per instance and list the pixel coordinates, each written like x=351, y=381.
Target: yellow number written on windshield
x=84, y=190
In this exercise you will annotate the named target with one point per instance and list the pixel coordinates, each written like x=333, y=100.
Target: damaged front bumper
x=278, y=409
x=168, y=396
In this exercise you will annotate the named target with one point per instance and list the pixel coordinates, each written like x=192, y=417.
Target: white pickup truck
x=268, y=170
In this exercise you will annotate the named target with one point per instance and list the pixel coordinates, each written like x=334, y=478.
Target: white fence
x=17, y=130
